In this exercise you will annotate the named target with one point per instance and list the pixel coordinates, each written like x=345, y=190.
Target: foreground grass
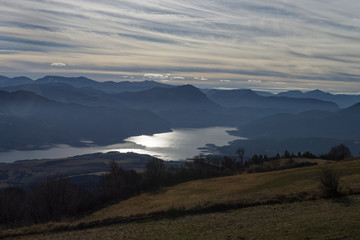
x=319, y=219
x=308, y=215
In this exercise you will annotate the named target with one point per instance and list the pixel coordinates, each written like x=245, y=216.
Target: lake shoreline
x=179, y=144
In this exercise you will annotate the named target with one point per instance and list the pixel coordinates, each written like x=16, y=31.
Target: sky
x=270, y=45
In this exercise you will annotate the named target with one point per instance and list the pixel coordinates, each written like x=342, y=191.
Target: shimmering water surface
x=176, y=145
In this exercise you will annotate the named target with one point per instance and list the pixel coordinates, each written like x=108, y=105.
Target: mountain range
x=342, y=100
x=5, y=81
x=61, y=110
x=249, y=98
x=83, y=82
x=29, y=120
x=343, y=124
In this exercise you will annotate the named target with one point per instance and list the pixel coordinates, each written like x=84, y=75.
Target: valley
x=76, y=116
x=59, y=110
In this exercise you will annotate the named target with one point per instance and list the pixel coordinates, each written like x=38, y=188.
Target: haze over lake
x=179, y=144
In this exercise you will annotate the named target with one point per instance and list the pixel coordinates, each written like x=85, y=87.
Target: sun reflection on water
x=154, y=141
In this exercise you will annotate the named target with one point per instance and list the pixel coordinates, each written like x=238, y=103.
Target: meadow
x=286, y=204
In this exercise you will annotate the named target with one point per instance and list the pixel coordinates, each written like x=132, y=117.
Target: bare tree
x=154, y=173
x=53, y=199
x=339, y=152
x=240, y=152
x=11, y=205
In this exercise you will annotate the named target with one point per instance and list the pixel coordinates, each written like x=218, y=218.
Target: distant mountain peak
x=107, y=86
x=291, y=93
x=317, y=91
x=294, y=91
x=355, y=108
x=182, y=91
x=239, y=92
x=5, y=81
x=64, y=79
x=3, y=78
x=160, y=98
x=188, y=87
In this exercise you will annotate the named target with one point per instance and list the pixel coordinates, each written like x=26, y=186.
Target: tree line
x=59, y=198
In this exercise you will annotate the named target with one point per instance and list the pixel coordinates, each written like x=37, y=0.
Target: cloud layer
x=303, y=44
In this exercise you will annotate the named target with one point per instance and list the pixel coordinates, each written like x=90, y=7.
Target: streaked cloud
x=155, y=76
x=297, y=43
x=58, y=64
x=201, y=78
x=254, y=81
x=178, y=78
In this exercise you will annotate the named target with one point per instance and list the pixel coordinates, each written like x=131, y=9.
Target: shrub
x=330, y=182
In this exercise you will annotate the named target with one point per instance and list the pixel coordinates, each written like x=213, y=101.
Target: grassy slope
x=240, y=188
x=321, y=219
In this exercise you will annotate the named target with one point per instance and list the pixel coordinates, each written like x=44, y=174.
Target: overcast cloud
x=256, y=44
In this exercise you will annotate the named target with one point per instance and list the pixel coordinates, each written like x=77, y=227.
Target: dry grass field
x=255, y=187
x=320, y=219
x=303, y=214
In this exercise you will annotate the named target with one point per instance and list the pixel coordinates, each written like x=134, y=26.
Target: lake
x=179, y=144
